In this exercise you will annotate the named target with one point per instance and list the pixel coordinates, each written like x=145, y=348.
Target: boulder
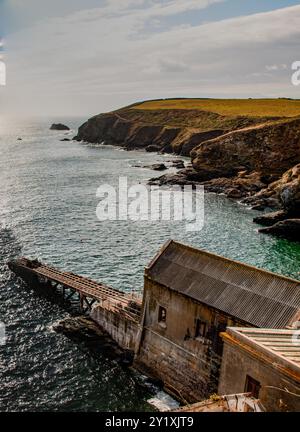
x=281, y=194
x=288, y=190
x=289, y=228
x=59, y=126
x=65, y=139
x=156, y=167
x=152, y=148
x=234, y=193
x=235, y=187
x=181, y=178
x=270, y=219
x=179, y=164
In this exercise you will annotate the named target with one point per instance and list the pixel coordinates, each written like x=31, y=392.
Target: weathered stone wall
x=188, y=366
x=238, y=363
x=121, y=329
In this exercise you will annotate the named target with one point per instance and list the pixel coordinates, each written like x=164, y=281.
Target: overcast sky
x=82, y=57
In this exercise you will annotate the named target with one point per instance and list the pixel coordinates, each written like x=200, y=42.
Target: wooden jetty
x=74, y=287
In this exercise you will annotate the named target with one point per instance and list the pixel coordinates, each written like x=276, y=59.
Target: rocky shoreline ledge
x=253, y=160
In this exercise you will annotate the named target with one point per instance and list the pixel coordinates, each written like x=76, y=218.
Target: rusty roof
x=257, y=297
x=280, y=346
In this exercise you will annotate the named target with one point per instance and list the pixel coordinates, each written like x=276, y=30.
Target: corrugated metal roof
x=283, y=343
x=255, y=296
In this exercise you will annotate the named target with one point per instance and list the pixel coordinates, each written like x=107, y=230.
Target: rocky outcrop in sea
x=59, y=126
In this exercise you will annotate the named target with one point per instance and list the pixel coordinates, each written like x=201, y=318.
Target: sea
x=48, y=202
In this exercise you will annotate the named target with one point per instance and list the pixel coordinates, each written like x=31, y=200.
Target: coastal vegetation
x=281, y=107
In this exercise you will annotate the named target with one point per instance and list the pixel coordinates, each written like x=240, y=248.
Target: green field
x=229, y=107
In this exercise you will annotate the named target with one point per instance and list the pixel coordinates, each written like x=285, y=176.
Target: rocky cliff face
x=269, y=149
x=172, y=131
x=242, y=157
x=285, y=193
x=133, y=133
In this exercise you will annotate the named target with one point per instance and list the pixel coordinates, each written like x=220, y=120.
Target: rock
x=59, y=126
x=234, y=193
x=288, y=190
x=84, y=329
x=236, y=187
x=261, y=201
x=270, y=148
x=270, y=219
x=153, y=148
x=242, y=174
x=80, y=326
x=283, y=193
x=289, y=228
x=179, y=164
x=155, y=167
x=158, y=167
x=181, y=178
x=272, y=203
x=65, y=139
x=196, y=138
x=259, y=207
x=19, y=139
x=286, y=193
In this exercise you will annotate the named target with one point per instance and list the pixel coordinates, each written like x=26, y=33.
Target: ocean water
x=48, y=211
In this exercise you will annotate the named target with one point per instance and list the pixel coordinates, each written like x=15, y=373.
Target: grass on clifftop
x=229, y=107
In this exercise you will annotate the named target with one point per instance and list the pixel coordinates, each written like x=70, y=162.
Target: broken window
x=162, y=314
x=200, y=330
x=252, y=386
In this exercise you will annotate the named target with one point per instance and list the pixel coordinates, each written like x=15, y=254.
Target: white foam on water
x=163, y=402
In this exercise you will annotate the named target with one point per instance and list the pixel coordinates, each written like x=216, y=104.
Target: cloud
x=172, y=66
x=178, y=6
x=276, y=67
x=156, y=8
x=97, y=59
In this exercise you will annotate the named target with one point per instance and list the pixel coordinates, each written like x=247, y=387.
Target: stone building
x=190, y=297
x=174, y=332
x=265, y=362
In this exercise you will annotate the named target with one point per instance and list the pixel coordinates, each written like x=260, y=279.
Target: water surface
x=48, y=211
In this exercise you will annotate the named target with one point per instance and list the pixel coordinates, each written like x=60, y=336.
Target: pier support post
x=81, y=298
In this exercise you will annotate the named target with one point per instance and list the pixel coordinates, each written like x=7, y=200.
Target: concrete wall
x=238, y=363
x=121, y=329
x=188, y=366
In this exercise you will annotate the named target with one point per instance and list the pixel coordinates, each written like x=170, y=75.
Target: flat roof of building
x=280, y=346
x=255, y=296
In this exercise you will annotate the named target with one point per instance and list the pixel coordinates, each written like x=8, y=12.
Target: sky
x=83, y=57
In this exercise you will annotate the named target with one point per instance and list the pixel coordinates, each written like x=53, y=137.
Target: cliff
x=269, y=148
x=171, y=131
x=237, y=147
x=286, y=193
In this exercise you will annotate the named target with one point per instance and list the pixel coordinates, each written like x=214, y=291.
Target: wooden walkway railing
x=89, y=291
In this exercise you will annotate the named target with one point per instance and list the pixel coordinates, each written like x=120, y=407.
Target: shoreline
x=239, y=163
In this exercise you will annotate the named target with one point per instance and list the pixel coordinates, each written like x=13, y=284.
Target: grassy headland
x=229, y=107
